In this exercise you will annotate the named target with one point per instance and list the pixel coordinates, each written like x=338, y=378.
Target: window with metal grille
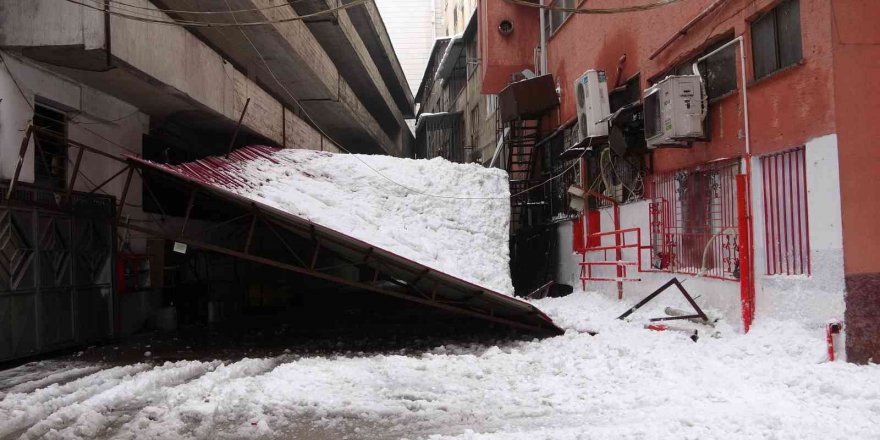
x=474, y=122
x=786, y=217
x=491, y=105
x=473, y=56
x=457, y=80
x=620, y=177
x=718, y=71
x=50, y=141
x=776, y=38
x=694, y=220
x=568, y=172
x=555, y=17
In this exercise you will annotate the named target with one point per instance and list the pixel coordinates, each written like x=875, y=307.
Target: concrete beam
x=163, y=70
x=286, y=59
x=340, y=39
x=371, y=27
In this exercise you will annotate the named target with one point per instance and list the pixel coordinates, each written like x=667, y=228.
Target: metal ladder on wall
x=519, y=143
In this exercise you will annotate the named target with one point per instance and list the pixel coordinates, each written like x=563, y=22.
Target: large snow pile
x=624, y=383
x=450, y=217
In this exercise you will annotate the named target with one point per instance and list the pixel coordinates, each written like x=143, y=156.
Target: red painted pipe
x=745, y=267
x=831, y=329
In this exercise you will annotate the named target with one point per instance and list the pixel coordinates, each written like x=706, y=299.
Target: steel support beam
x=189, y=207
x=121, y=204
x=74, y=173
x=108, y=180
x=22, y=150
x=341, y=281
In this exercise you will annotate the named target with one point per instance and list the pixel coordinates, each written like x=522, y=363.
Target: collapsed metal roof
x=412, y=281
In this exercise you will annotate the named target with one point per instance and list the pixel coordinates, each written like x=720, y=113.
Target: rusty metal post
x=121, y=204
x=189, y=207
x=237, y=127
x=75, y=173
x=250, y=236
x=315, y=255
x=22, y=150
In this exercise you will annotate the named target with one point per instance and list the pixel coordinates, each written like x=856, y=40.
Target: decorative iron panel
x=56, y=266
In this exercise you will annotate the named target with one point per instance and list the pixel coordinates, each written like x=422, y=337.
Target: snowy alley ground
x=625, y=382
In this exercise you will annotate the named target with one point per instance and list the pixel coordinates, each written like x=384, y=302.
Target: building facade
x=457, y=14
x=82, y=88
x=767, y=213
x=455, y=120
x=412, y=25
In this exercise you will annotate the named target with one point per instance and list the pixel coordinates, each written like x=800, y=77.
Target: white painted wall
x=717, y=295
x=814, y=299
x=95, y=119
x=820, y=297
x=15, y=116
x=412, y=26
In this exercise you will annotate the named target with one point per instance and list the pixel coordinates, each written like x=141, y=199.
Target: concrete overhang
x=349, y=101
x=163, y=70
x=358, y=43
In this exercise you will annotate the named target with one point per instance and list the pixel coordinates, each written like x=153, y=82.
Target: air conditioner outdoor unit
x=674, y=112
x=591, y=90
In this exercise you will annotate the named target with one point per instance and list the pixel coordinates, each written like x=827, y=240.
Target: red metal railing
x=620, y=264
x=786, y=217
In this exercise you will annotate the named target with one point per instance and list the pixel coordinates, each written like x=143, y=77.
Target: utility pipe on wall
x=748, y=153
x=742, y=52
x=543, y=23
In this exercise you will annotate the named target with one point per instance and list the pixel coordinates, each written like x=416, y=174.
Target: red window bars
x=786, y=217
x=694, y=227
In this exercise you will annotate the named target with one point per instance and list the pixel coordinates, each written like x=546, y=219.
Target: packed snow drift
x=450, y=217
x=624, y=383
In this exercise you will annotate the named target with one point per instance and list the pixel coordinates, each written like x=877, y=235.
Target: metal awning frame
x=421, y=284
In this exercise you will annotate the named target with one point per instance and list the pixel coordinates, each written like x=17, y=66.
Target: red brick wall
x=504, y=55
x=785, y=110
x=857, y=99
x=835, y=89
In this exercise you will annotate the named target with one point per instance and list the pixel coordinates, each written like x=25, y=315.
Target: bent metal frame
x=411, y=281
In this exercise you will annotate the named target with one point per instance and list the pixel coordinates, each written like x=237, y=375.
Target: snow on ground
x=625, y=382
x=465, y=236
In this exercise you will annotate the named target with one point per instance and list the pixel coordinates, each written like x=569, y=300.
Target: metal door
x=56, y=266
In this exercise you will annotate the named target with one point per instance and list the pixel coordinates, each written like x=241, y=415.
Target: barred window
x=786, y=224
x=694, y=224
x=50, y=158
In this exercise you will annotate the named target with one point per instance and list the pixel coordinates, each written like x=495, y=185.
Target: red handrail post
x=745, y=267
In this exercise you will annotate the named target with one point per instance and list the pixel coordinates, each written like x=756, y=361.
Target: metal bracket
x=687, y=296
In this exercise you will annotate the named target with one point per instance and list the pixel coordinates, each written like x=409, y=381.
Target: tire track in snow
x=31, y=372
x=86, y=419
x=59, y=378
x=21, y=411
x=189, y=410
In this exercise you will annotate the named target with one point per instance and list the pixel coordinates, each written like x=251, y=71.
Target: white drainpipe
x=745, y=98
x=748, y=152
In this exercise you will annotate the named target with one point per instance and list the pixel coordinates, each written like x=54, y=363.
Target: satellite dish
x=617, y=140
